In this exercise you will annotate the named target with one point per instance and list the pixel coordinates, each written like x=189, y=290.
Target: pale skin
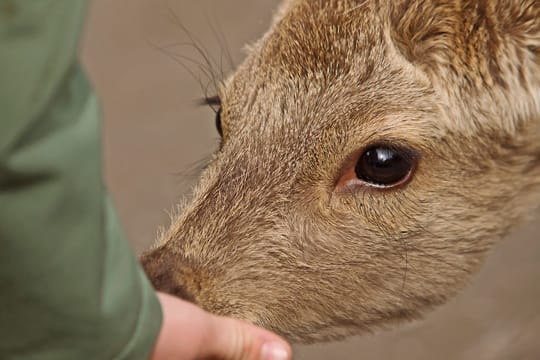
x=190, y=333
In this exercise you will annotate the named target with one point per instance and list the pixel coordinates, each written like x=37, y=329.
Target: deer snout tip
x=162, y=271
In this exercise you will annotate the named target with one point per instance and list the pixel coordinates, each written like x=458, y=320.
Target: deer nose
x=162, y=269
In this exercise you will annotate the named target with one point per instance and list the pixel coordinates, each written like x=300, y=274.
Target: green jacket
x=70, y=287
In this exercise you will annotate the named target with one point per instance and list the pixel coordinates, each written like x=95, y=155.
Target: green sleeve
x=70, y=288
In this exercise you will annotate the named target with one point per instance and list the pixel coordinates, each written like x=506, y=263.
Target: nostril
x=163, y=272
x=181, y=292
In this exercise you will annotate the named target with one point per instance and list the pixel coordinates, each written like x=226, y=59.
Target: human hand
x=190, y=333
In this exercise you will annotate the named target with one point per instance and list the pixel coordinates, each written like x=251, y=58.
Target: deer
x=372, y=153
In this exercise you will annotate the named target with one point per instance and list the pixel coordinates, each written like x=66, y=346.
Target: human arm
x=70, y=286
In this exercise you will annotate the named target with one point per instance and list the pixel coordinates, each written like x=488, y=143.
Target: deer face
x=365, y=169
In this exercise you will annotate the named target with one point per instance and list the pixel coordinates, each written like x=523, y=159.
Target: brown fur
x=270, y=238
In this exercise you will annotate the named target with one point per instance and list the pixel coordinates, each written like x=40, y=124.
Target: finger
x=183, y=330
x=230, y=339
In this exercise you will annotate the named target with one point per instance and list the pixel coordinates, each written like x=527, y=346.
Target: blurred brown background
x=155, y=135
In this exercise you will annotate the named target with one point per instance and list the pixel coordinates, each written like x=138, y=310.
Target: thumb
x=230, y=339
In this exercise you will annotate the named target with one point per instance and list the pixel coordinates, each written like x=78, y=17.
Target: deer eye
x=215, y=103
x=218, y=122
x=385, y=166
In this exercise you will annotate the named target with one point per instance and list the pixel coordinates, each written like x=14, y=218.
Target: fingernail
x=274, y=351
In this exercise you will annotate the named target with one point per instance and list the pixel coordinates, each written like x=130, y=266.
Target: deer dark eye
x=385, y=166
x=218, y=122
